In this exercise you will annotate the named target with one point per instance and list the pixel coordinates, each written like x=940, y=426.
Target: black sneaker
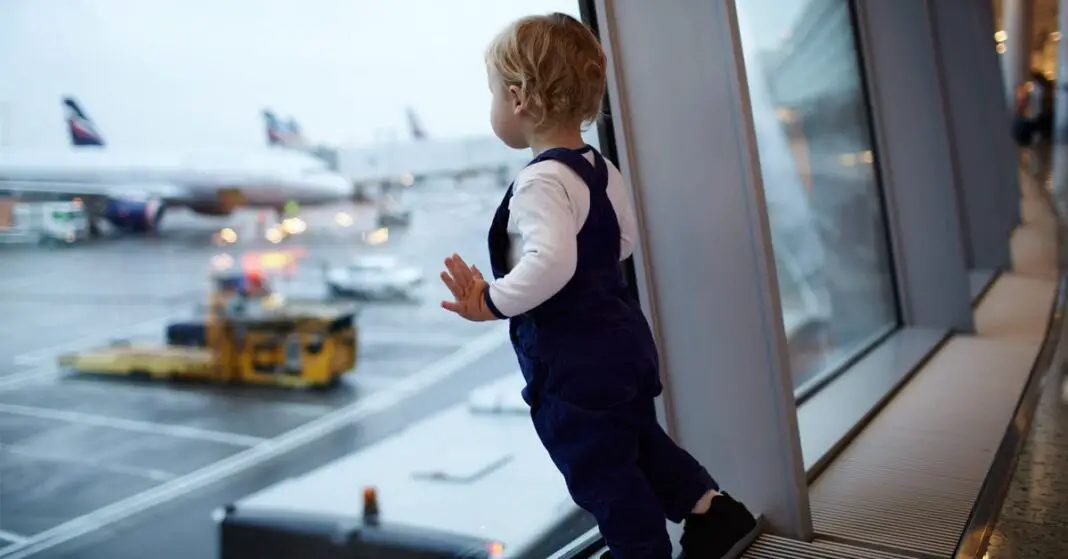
x=724, y=531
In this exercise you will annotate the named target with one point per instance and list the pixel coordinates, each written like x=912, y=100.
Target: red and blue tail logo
x=81, y=128
x=284, y=134
x=275, y=133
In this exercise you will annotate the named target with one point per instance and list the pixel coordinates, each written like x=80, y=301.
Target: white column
x=915, y=159
x=985, y=161
x=706, y=271
x=1060, y=116
x=1018, y=17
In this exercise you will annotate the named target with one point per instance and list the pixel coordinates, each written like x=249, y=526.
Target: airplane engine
x=135, y=216
x=214, y=210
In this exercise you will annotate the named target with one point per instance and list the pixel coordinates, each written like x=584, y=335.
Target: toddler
x=583, y=345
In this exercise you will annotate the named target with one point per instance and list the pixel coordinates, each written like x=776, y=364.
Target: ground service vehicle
x=52, y=222
x=249, y=336
x=374, y=277
x=391, y=212
x=257, y=534
x=470, y=481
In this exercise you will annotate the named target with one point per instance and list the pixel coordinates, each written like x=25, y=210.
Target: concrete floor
x=1033, y=522
x=93, y=467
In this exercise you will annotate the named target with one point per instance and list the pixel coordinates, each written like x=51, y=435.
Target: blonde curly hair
x=558, y=64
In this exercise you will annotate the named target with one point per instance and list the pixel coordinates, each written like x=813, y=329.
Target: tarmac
x=112, y=467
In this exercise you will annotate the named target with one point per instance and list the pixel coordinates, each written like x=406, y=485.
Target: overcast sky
x=181, y=73
x=198, y=72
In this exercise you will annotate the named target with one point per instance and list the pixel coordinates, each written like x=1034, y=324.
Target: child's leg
x=722, y=526
x=597, y=453
x=676, y=477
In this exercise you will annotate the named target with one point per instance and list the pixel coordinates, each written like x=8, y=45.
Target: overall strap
x=595, y=175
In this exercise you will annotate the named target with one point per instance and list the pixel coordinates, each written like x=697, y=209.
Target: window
x=814, y=143
x=67, y=215
x=331, y=152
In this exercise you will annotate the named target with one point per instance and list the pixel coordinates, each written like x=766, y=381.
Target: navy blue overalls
x=591, y=370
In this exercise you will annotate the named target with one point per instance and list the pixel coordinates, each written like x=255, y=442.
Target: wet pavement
x=78, y=452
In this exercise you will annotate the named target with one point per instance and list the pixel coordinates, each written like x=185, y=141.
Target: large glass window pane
x=167, y=165
x=815, y=148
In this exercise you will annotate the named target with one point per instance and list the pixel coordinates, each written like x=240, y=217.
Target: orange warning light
x=496, y=549
x=370, y=504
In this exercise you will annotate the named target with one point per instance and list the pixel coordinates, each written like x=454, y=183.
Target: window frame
x=606, y=137
x=810, y=388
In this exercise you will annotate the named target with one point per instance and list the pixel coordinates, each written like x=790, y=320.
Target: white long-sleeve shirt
x=549, y=205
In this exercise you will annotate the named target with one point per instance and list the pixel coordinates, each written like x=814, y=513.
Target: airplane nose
x=331, y=184
x=342, y=186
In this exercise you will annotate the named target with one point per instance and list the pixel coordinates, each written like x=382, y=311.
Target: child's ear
x=517, y=98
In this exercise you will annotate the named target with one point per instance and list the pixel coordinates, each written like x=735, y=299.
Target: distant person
x=584, y=346
x=1032, y=126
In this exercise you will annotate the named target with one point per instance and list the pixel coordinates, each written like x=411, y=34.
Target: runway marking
x=10, y=382
x=36, y=356
x=9, y=283
x=70, y=315
x=411, y=337
x=12, y=537
x=375, y=381
x=150, y=474
x=199, y=395
x=300, y=436
x=177, y=431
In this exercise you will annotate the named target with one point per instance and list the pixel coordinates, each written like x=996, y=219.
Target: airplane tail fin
x=294, y=129
x=282, y=133
x=276, y=134
x=81, y=128
x=296, y=136
x=415, y=126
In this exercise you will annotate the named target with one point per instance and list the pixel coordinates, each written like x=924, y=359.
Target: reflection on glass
x=823, y=201
x=171, y=173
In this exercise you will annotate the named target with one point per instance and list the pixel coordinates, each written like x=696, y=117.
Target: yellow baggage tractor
x=149, y=361
x=247, y=337
x=296, y=344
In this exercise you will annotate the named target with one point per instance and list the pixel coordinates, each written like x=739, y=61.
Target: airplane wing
x=429, y=159
x=163, y=191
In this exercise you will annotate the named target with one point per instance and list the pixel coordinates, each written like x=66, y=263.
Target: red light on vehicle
x=496, y=549
x=370, y=505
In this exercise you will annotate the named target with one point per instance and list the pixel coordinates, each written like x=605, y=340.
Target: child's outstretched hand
x=467, y=286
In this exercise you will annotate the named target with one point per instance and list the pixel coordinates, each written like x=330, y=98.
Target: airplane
x=415, y=125
x=424, y=158
x=131, y=189
x=283, y=134
x=288, y=135
x=405, y=163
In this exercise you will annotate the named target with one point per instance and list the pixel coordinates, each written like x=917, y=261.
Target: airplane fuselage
x=255, y=178
x=429, y=159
